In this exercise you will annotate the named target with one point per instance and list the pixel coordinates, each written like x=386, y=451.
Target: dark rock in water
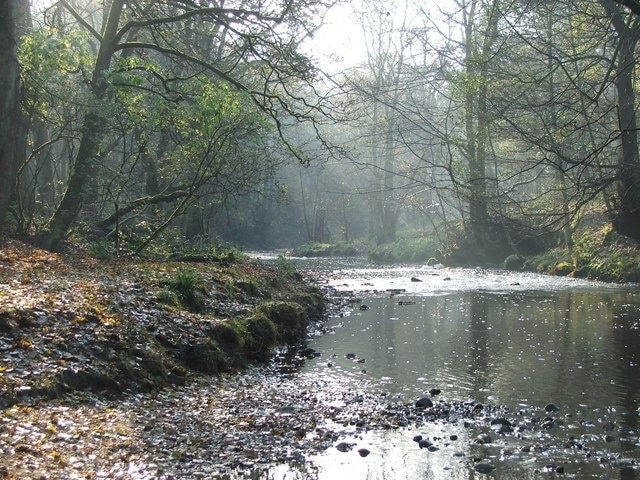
x=364, y=307
x=344, y=446
x=502, y=428
x=446, y=279
x=559, y=469
x=415, y=279
x=351, y=356
x=551, y=407
x=363, y=452
x=432, y=448
x=459, y=454
x=501, y=425
x=424, y=443
x=309, y=353
x=501, y=421
x=417, y=438
x=484, y=468
x=499, y=428
x=423, y=403
x=483, y=438
x=434, y=391
x=453, y=437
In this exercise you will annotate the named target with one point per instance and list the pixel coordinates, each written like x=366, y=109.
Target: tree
x=255, y=54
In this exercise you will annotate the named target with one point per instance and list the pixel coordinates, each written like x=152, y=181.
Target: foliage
x=410, y=247
x=514, y=262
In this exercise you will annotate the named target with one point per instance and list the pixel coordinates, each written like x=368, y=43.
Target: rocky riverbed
x=249, y=425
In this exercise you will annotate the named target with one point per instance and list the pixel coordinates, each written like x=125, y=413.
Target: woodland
x=493, y=127
x=145, y=144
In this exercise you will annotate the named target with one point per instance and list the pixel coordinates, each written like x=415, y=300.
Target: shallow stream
x=558, y=358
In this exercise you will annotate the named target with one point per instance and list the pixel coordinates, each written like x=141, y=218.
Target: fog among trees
x=499, y=125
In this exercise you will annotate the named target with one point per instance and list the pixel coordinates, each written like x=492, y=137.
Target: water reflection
x=575, y=344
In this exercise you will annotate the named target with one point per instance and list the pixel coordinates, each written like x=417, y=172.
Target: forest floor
x=99, y=379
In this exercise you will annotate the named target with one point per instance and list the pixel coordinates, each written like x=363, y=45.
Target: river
x=556, y=359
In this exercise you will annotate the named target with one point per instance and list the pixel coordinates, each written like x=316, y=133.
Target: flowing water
x=520, y=341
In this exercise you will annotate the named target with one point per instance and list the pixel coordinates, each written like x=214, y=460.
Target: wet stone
x=363, y=452
x=423, y=403
x=484, y=468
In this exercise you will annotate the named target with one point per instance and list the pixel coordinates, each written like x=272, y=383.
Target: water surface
x=515, y=339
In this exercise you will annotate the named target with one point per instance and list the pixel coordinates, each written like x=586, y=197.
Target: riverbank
x=597, y=253
x=72, y=323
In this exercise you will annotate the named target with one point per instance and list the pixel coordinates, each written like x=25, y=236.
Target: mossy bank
x=70, y=323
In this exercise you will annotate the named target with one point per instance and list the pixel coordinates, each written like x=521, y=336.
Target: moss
x=289, y=318
x=261, y=336
x=249, y=286
x=206, y=356
x=230, y=334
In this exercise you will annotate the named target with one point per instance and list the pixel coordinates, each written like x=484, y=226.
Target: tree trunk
x=626, y=219
x=9, y=105
x=84, y=166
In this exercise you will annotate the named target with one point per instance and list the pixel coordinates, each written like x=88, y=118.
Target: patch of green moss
x=289, y=318
x=262, y=335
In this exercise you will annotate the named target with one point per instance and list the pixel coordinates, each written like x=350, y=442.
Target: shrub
x=514, y=262
x=562, y=268
x=168, y=296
